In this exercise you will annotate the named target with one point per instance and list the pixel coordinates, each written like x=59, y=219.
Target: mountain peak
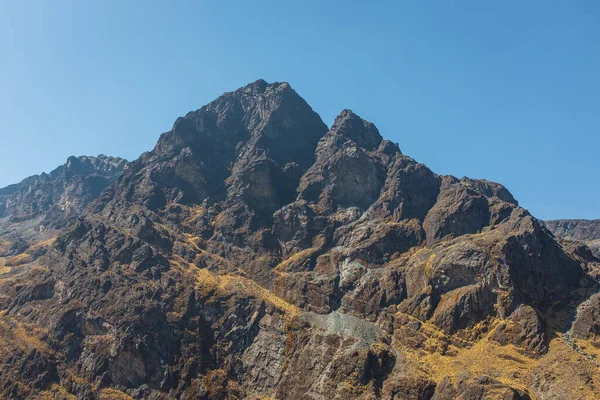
x=259, y=84
x=76, y=182
x=362, y=132
x=271, y=116
x=259, y=87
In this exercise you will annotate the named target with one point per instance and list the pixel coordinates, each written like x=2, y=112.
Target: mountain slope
x=33, y=211
x=62, y=193
x=581, y=230
x=256, y=253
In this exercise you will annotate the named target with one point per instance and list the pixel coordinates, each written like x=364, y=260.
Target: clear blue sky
x=503, y=90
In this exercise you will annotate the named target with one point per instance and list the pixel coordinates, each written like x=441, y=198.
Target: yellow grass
x=574, y=376
x=506, y=364
x=503, y=363
x=45, y=243
x=284, y=265
x=4, y=245
x=232, y=282
x=236, y=284
x=566, y=369
x=57, y=392
x=113, y=394
x=429, y=264
x=17, y=335
x=195, y=212
x=591, y=347
x=6, y=263
x=17, y=260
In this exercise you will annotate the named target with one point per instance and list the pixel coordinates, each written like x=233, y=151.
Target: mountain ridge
x=102, y=167
x=582, y=230
x=35, y=209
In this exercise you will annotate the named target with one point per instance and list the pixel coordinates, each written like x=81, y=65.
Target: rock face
x=525, y=329
x=256, y=253
x=34, y=210
x=581, y=230
x=61, y=194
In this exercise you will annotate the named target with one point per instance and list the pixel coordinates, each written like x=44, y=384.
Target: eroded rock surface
x=62, y=193
x=580, y=230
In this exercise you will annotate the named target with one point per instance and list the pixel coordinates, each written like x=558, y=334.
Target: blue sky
x=508, y=91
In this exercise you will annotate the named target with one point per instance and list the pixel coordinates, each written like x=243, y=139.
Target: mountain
x=33, y=211
x=257, y=253
x=580, y=230
x=62, y=193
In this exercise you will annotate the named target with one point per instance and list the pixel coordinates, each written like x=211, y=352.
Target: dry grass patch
x=4, y=245
x=306, y=253
x=17, y=260
x=113, y=394
x=506, y=364
x=57, y=392
x=590, y=347
x=228, y=283
x=562, y=370
x=18, y=336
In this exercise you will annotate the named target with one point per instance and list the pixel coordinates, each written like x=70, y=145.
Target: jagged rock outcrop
x=580, y=230
x=525, y=329
x=467, y=387
x=34, y=210
x=61, y=194
x=256, y=253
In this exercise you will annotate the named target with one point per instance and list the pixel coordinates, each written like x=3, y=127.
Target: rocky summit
x=56, y=197
x=256, y=253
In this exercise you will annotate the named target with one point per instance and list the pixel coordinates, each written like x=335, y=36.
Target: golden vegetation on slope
x=566, y=373
x=229, y=283
x=113, y=394
x=21, y=341
x=193, y=243
x=238, y=283
x=57, y=392
x=590, y=347
x=303, y=254
x=217, y=381
x=4, y=245
x=18, y=260
x=506, y=364
x=44, y=243
x=18, y=336
x=430, y=337
x=7, y=264
x=562, y=370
